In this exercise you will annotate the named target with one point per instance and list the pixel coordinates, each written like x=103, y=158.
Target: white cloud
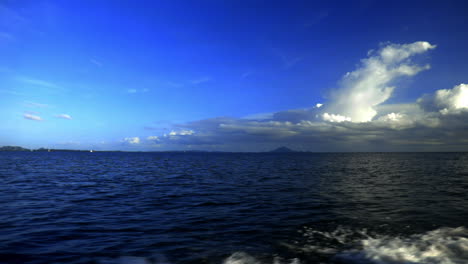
x=181, y=133
x=318, y=105
x=32, y=117
x=369, y=85
x=132, y=140
x=132, y=91
x=452, y=100
x=64, y=116
x=398, y=121
x=391, y=117
x=153, y=138
x=335, y=118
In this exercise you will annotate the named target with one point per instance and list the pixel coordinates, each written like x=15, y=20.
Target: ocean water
x=234, y=208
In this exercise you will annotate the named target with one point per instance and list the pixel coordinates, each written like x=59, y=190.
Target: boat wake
x=345, y=246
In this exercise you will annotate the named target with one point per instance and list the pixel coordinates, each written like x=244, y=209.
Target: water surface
x=70, y=207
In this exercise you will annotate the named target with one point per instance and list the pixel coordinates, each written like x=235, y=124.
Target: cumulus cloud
x=32, y=117
x=335, y=118
x=370, y=84
x=153, y=138
x=447, y=101
x=64, y=116
x=132, y=140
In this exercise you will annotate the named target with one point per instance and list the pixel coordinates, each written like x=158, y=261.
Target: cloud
x=201, y=80
x=335, y=118
x=64, y=116
x=32, y=117
x=429, y=131
x=295, y=115
x=37, y=82
x=403, y=127
x=153, y=138
x=96, y=62
x=182, y=133
x=355, y=118
x=174, y=135
x=133, y=91
x=132, y=140
x=369, y=85
x=447, y=101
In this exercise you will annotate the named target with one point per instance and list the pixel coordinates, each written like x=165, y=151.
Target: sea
x=233, y=208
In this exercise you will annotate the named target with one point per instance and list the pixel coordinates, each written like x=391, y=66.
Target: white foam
x=244, y=258
x=441, y=246
x=346, y=246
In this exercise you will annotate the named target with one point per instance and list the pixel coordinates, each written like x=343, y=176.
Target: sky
x=234, y=75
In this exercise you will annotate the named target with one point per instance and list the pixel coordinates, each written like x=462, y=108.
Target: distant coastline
x=17, y=148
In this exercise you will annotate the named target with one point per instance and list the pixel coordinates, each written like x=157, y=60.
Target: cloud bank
x=355, y=118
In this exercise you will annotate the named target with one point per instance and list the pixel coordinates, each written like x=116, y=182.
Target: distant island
x=13, y=148
x=16, y=148
x=282, y=150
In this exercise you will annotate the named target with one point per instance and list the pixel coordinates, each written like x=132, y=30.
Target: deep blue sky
x=123, y=69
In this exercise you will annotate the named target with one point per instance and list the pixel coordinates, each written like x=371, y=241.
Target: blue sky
x=217, y=75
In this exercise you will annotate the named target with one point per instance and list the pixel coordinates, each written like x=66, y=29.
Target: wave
x=346, y=246
x=441, y=246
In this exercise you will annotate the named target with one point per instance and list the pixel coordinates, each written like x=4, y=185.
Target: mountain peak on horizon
x=283, y=149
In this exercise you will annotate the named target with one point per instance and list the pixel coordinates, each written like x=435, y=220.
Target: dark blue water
x=233, y=208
